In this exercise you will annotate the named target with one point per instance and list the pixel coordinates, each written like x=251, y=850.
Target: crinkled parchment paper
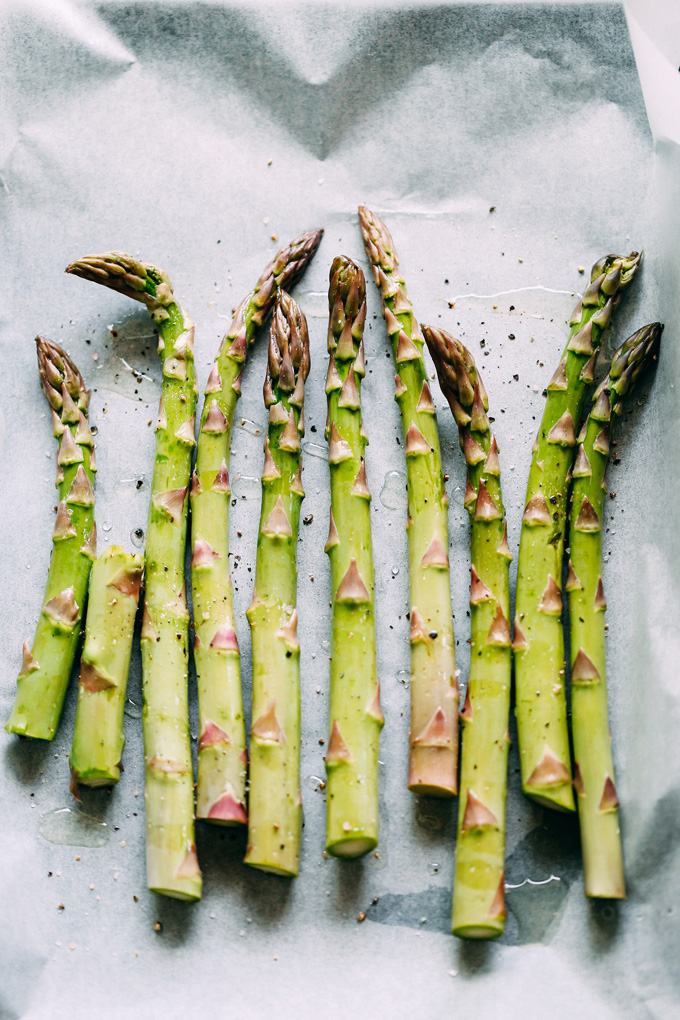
x=193, y=134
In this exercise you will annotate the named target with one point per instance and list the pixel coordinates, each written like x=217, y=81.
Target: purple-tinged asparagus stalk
x=222, y=755
x=598, y=804
x=46, y=667
x=479, y=889
x=275, y=805
x=433, y=740
x=541, y=704
x=172, y=862
x=356, y=718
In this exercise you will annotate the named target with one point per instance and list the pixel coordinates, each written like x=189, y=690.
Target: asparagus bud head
x=288, y=349
x=125, y=274
x=631, y=360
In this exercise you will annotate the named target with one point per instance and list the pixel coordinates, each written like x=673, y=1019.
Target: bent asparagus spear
x=275, y=805
x=355, y=715
x=172, y=863
x=479, y=889
x=434, y=691
x=222, y=742
x=593, y=765
x=98, y=737
x=46, y=668
x=538, y=644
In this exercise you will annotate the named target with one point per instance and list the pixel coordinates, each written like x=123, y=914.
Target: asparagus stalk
x=222, y=742
x=538, y=639
x=98, y=737
x=46, y=667
x=433, y=738
x=594, y=770
x=275, y=808
x=355, y=715
x=479, y=889
x=172, y=863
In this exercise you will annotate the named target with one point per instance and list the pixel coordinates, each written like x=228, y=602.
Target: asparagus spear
x=594, y=770
x=172, y=863
x=46, y=667
x=355, y=715
x=98, y=737
x=275, y=809
x=434, y=692
x=479, y=890
x=538, y=640
x=222, y=742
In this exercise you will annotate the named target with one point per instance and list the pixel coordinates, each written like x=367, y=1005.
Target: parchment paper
x=505, y=146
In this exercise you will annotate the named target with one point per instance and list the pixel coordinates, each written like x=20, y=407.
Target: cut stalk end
x=560, y=799
x=351, y=847
x=425, y=789
x=99, y=777
x=187, y=896
x=23, y=728
x=273, y=869
x=480, y=932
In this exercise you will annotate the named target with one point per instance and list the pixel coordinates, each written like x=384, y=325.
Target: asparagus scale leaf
x=98, y=737
x=275, y=805
x=538, y=644
x=355, y=715
x=479, y=888
x=172, y=862
x=598, y=804
x=433, y=740
x=46, y=666
x=222, y=756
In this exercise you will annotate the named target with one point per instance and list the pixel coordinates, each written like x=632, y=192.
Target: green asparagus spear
x=479, y=889
x=222, y=742
x=98, y=737
x=275, y=807
x=538, y=639
x=172, y=863
x=594, y=770
x=434, y=691
x=355, y=715
x=46, y=667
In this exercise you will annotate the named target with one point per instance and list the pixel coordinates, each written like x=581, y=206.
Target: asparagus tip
x=127, y=275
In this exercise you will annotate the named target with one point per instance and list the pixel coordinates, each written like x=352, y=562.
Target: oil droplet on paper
x=377, y=861
x=132, y=710
x=535, y=302
x=393, y=493
x=536, y=905
x=137, y=537
x=314, y=450
x=67, y=827
x=126, y=366
x=314, y=303
x=314, y=783
x=429, y=821
x=249, y=426
x=246, y=487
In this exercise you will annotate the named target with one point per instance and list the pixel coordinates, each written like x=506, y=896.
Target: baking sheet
x=192, y=134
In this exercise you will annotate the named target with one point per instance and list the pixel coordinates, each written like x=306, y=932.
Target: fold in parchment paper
x=505, y=146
